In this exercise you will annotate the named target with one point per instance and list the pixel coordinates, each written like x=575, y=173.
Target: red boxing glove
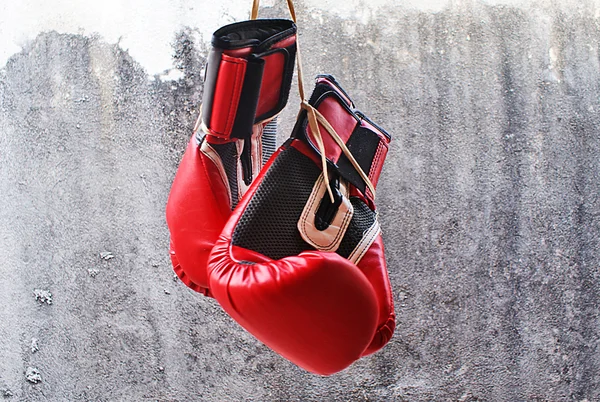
x=305, y=275
x=247, y=83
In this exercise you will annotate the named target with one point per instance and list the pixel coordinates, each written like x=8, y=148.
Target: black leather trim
x=210, y=81
x=289, y=54
x=244, y=116
x=321, y=92
x=260, y=34
x=363, y=117
x=362, y=144
x=336, y=84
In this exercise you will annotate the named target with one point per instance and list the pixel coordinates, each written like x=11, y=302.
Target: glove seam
x=211, y=192
x=225, y=182
x=365, y=244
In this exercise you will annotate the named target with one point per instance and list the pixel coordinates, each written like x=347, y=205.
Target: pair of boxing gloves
x=293, y=255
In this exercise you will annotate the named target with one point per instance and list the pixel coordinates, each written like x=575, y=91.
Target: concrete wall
x=488, y=202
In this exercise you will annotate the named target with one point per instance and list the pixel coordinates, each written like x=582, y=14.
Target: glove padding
x=247, y=83
x=305, y=275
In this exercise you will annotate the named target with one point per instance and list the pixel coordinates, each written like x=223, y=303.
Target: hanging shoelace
x=315, y=117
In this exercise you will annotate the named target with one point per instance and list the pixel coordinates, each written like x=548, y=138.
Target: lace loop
x=315, y=117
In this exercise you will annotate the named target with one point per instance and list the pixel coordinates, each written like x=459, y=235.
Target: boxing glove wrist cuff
x=365, y=141
x=248, y=76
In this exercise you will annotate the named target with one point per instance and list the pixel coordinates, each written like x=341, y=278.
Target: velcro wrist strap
x=230, y=106
x=367, y=142
x=246, y=85
x=369, y=147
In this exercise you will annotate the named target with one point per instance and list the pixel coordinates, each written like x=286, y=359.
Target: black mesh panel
x=229, y=157
x=362, y=220
x=268, y=225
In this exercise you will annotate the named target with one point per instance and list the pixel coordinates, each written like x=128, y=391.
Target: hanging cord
x=315, y=117
x=254, y=13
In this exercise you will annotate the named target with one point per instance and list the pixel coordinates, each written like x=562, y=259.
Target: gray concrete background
x=488, y=202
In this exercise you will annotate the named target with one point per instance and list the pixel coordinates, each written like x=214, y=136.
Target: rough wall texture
x=488, y=202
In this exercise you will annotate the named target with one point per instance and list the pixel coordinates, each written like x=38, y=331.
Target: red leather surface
x=380, y=155
x=182, y=275
x=197, y=209
x=377, y=164
x=315, y=309
x=324, y=80
x=211, y=139
x=285, y=42
x=373, y=266
x=343, y=123
x=270, y=88
x=227, y=95
x=242, y=52
x=199, y=203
